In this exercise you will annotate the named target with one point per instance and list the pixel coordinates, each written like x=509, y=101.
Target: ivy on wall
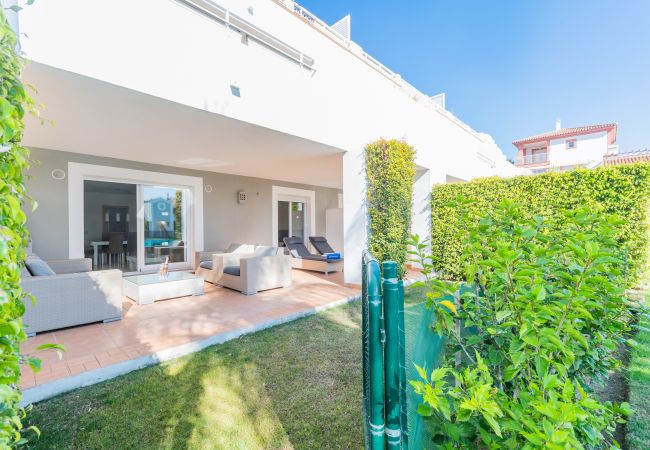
x=14, y=102
x=390, y=172
x=620, y=190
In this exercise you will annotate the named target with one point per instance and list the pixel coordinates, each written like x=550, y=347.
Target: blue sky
x=510, y=67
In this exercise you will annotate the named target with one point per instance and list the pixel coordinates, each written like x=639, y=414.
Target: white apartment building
x=215, y=102
x=567, y=148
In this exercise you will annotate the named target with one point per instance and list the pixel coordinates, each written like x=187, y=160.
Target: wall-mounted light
x=208, y=188
x=58, y=174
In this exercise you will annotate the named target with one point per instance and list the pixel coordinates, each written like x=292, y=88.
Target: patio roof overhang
x=97, y=118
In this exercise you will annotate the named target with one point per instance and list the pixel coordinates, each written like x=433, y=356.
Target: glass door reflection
x=165, y=225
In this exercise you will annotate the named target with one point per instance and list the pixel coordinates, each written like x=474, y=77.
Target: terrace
x=164, y=330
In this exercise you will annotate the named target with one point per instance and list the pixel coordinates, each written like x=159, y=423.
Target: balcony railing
x=537, y=158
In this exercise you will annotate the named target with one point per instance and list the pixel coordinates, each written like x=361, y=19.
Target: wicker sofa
x=75, y=295
x=265, y=268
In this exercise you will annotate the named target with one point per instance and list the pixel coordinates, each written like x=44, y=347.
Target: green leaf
x=425, y=410
x=493, y=424
x=501, y=315
x=449, y=305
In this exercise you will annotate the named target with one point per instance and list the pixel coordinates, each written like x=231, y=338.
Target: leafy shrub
x=390, y=171
x=540, y=318
x=621, y=190
x=13, y=233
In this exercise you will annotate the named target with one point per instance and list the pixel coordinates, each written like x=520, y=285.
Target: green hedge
x=622, y=190
x=390, y=172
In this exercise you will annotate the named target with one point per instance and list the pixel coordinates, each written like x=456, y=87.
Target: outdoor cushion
x=320, y=244
x=232, y=270
x=295, y=243
x=206, y=265
x=238, y=248
x=24, y=273
x=315, y=257
x=37, y=267
x=264, y=250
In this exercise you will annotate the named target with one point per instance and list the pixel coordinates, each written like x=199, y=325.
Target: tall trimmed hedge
x=621, y=190
x=390, y=172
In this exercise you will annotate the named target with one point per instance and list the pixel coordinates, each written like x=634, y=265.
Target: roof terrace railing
x=356, y=50
x=234, y=22
x=535, y=158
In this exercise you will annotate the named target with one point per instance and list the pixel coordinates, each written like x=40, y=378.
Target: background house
x=627, y=157
x=567, y=148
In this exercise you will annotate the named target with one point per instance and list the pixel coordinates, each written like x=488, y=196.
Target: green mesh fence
x=422, y=347
x=396, y=337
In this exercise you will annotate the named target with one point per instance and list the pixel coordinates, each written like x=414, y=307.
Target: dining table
x=96, y=245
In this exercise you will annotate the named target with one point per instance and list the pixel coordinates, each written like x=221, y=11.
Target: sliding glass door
x=164, y=226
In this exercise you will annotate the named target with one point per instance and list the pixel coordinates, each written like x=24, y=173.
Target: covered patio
x=148, y=334
x=236, y=182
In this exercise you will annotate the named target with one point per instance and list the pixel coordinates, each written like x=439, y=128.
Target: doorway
x=292, y=214
x=291, y=221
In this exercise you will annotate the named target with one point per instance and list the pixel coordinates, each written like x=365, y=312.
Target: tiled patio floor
x=148, y=329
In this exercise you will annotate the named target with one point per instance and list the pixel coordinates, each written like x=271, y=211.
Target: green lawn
x=294, y=386
x=638, y=428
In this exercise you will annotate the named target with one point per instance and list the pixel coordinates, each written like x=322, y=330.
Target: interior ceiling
x=106, y=187
x=98, y=118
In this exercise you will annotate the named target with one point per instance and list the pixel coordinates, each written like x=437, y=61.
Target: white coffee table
x=146, y=289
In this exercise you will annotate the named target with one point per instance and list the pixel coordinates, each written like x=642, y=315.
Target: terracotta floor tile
x=79, y=359
x=51, y=376
x=27, y=378
x=114, y=359
x=91, y=365
x=145, y=329
x=76, y=368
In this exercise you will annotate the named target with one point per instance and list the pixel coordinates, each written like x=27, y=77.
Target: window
x=571, y=144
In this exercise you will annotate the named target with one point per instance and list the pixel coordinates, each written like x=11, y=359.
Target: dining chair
x=116, y=247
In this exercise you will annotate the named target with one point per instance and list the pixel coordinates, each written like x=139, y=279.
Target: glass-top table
x=148, y=288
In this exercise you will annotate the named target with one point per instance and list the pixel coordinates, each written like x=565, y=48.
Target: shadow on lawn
x=294, y=386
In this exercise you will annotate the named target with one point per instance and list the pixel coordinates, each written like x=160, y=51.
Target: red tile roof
x=567, y=132
x=632, y=157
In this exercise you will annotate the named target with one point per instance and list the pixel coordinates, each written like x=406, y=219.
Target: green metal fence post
x=402, y=365
x=391, y=354
x=374, y=359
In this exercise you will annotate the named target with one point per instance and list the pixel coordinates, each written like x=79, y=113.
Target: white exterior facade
x=589, y=149
x=567, y=148
x=286, y=99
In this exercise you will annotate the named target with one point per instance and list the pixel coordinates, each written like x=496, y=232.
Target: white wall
x=224, y=220
x=166, y=50
x=590, y=149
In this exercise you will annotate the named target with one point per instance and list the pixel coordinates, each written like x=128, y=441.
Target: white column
x=421, y=214
x=354, y=214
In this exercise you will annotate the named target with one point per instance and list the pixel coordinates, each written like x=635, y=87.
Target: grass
x=294, y=386
x=638, y=427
